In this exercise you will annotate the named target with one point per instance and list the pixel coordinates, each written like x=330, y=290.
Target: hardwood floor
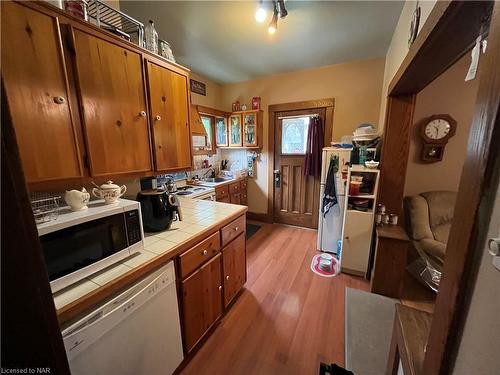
x=287, y=318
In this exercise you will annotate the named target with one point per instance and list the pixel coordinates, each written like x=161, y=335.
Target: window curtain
x=315, y=137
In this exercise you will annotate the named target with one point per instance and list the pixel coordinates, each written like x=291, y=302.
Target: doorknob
x=277, y=178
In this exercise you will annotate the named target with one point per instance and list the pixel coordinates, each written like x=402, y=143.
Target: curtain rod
x=298, y=116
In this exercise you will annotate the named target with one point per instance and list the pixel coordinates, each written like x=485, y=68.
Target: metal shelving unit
x=107, y=17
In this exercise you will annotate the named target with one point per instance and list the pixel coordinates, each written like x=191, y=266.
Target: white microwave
x=79, y=244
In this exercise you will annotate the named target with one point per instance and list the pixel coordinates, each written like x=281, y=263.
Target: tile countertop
x=198, y=217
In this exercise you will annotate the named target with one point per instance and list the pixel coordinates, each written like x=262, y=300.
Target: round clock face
x=437, y=129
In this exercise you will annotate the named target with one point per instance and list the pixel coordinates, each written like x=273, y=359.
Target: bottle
x=151, y=37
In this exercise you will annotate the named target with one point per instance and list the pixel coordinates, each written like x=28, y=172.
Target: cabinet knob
x=204, y=252
x=227, y=277
x=220, y=287
x=142, y=113
x=59, y=100
x=346, y=237
x=158, y=118
x=159, y=146
x=236, y=229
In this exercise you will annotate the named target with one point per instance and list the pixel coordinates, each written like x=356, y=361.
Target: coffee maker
x=159, y=208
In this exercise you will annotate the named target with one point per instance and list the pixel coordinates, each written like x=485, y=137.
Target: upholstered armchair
x=428, y=221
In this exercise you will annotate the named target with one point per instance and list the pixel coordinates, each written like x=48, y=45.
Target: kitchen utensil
x=45, y=206
x=159, y=208
x=372, y=164
x=77, y=200
x=109, y=191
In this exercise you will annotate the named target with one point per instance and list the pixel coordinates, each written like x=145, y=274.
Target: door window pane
x=294, y=135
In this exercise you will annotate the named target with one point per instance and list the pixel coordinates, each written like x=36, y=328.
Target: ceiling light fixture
x=273, y=26
x=282, y=10
x=260, y=14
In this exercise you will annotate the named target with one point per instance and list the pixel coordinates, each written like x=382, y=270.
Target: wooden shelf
x=368, y=196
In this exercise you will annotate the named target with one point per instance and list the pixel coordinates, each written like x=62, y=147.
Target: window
x=207, y=122
x=294, y=135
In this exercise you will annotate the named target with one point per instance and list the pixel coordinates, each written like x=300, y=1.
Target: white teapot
x=77, y=200
x=109, y=191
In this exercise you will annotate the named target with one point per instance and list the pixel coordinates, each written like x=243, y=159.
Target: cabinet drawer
x=234, y=188
x=243, y=185
x=244, y=199
x=231, y=231
x=199, y=254
x=221, y=192
x=235, y=198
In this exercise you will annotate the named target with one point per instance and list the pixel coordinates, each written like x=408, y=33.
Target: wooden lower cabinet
x=201, y=301
x=235, y=198
x=234, y=265
x=235, y=193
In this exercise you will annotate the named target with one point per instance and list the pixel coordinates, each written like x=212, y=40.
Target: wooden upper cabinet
x=201, y=301
x=36, y=85
x=169, y=100
x=113, y=101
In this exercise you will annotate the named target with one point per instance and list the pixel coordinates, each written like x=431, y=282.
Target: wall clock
x=435, y=131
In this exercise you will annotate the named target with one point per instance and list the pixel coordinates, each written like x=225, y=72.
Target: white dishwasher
x=137, y=332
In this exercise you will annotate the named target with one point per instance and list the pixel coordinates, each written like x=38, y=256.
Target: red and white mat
x=325, y=265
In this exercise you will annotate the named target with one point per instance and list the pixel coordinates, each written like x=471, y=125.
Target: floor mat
x=368, y=330
x=251, y=230
x=325, y=265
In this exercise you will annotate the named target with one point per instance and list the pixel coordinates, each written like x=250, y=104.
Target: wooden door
x=168, y=95
x=36, y=84
x=235, y=268
x=111, y=86
x=296, y=197
x=201, y=301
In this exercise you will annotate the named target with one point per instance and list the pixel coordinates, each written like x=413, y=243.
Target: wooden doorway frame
x=449, y=33
x=327, y=104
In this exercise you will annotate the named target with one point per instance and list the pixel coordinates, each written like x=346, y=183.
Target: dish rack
x=45, y=207
x=115, y=21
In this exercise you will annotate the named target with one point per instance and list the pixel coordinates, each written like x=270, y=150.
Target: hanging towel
x=315, y=139
x=330, y=193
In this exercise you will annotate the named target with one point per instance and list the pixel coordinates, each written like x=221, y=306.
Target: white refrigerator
x=330, y=226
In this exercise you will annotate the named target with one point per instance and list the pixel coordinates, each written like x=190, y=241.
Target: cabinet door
x=357, y=240
x=35, y=79
x=221, y=137
x=114, y=106
x=201, y=301
x=235, y=268
x=235, y=130
x=250, y=129
x=168, y=92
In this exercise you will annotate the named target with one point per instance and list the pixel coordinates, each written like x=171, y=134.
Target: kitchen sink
x=216, y=179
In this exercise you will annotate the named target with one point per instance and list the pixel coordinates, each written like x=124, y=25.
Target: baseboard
x=259, y=217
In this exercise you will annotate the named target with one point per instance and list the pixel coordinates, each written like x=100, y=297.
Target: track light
x=273, y=26
x=282, y=10
x=260, y=14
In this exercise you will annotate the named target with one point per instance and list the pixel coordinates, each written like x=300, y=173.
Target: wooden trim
x=212, y=111
x=319, y=103
x=264, y=217
x=327, y=104
x=476, y=195
x=395, y=151
x=448, y=33
x=30, y=333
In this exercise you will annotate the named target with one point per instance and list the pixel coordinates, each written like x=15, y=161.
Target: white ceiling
x=222, y=41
